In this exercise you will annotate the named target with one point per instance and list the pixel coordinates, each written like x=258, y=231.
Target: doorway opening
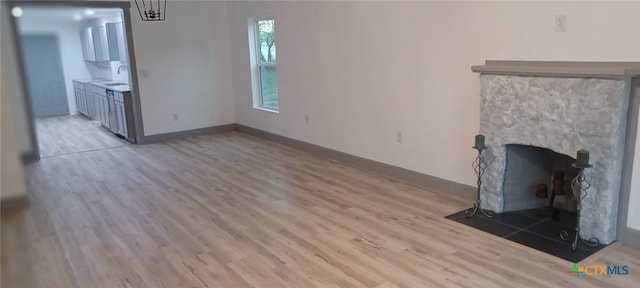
x=79, y=73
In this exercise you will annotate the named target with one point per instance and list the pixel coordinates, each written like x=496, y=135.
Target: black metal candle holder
x=579, y=186
x=479, y=166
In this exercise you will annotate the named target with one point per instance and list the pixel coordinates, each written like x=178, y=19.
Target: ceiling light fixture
x=152, y=10
x=90, y=12
x=16, y=11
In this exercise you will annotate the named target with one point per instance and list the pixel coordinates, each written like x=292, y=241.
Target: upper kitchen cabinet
x=115, y=38
x=88, y=51
x=104, y=43
x=100, y=43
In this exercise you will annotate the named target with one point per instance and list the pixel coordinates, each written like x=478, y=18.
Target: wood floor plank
x=232, y=210
x=72, y=134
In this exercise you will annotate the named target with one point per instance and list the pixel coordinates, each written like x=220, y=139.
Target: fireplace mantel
x=615, y=70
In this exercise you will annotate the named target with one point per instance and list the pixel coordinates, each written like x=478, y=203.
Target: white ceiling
x=60, y=15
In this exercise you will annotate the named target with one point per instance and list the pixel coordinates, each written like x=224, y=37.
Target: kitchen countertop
x=118, y=88
x=90, y=80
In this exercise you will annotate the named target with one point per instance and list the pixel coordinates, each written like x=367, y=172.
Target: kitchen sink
x=115, y=84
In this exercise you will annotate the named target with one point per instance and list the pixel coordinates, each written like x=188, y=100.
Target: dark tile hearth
x=536, y=228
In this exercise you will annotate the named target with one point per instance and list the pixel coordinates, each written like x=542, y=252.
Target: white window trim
x=256, y=88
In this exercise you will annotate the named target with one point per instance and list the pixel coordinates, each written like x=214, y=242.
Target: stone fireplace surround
x=563, y=107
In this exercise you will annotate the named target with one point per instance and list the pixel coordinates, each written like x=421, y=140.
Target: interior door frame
x=34, y=154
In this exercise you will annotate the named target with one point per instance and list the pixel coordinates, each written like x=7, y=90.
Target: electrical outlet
x=175, y=116
x=561, y=23
x=399, y=136
x=306, y=119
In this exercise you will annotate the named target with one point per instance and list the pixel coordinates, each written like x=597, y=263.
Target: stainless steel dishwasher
x=113, y=119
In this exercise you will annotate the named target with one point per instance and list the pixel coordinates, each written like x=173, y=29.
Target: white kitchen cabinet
x=101, y=107
x=78, y=100
x=121, y=119
x=104, y=43
x=81, y=98
x=103, y=115
x=83, y=101
x=88, y=51
x=90, y=102
x=98, y=110
x=121, y=114
x=100, y=43
x=96, y=102
x=116, y=42
x=107, y=121
x=98, y=107
x=104, y=110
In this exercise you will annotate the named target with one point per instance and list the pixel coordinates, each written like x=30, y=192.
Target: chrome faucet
x=122, y=66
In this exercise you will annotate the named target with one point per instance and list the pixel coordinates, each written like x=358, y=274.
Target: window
x=264, y=78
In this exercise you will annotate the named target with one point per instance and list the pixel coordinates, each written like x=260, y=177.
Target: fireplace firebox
x=527, y=168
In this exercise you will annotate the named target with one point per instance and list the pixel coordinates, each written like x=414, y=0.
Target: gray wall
x=13, y=83
x=11, y=178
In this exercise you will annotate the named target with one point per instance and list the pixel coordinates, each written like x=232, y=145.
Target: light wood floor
x=231, y=210
x=73, y=134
